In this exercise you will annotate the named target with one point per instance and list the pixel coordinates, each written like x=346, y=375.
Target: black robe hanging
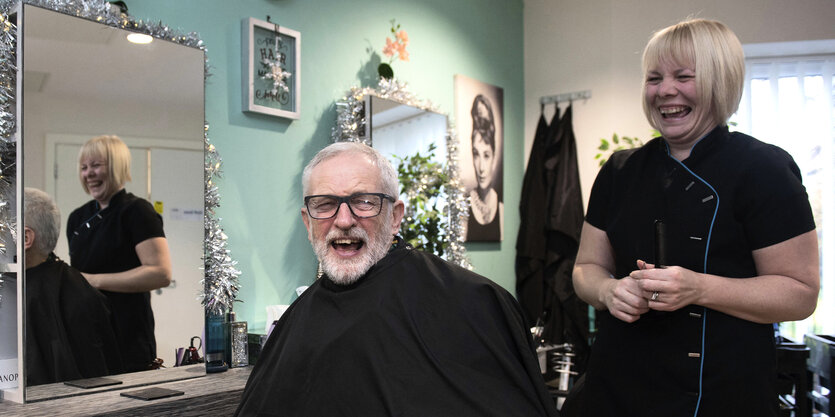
x=531, y=240
x=548, y=293
x=568, y=321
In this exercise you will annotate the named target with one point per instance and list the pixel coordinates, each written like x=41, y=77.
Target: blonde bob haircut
x=117, y=155
x=715, y=54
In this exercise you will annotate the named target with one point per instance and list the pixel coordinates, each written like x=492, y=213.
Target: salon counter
x=215, y=394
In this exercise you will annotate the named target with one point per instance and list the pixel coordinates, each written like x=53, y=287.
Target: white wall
x=596, y=45
x=92, y=118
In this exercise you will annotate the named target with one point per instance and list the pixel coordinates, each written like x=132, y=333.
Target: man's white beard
x=347, y=271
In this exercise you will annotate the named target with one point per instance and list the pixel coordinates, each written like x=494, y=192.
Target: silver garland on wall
x=220, y=281
x=220, y=284
x=8, y=152
x=351, y=122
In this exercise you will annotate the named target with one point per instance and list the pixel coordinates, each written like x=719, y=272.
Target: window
x=788, y=101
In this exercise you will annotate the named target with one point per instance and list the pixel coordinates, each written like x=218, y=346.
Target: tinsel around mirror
x=351, y=121
x=221, y=278
x=8, y=152
x=220, y=285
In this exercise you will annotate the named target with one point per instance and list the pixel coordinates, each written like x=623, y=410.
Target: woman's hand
x=786, y=288
x=676, y=287
x=625, y=300
x=594, y=283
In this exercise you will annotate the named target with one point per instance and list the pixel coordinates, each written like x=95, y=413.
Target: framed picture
x=271, y=68
x=479, y=121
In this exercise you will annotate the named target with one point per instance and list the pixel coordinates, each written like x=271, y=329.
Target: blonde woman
x=691, y=333
x=117, y=241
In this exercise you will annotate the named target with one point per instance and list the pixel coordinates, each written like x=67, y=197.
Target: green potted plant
x=617, y=143
x=423, y=183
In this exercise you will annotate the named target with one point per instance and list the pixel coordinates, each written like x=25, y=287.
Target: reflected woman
x=117, y=241
x=484, y=222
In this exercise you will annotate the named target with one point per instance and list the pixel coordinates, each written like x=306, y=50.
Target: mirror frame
x=98, y=11
x=353, y=125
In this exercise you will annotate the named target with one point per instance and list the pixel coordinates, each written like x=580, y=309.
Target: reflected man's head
x=103, y=166
x=351, y=209
x=42, y=225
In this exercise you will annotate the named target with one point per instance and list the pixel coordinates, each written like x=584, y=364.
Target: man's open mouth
x=347, y=244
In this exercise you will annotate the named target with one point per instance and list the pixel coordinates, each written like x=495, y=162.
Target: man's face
x=348, y=246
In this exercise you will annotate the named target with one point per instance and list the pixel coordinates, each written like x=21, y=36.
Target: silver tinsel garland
x=351, y=122
x=8, y=150
x=220, y=285
x=220, y=281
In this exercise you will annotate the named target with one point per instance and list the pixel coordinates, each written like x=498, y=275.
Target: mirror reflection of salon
x=404, y=130
x=150, y=96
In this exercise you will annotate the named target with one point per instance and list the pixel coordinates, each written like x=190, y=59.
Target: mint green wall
x=263, y=156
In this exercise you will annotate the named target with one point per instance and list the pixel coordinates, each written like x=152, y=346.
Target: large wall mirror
x=81, y=79
x=398, y=129
x=395, y=122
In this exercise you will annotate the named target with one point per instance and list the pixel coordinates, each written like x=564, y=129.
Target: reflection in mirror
x=392, y=120
x=83, y=79
x=401, y=130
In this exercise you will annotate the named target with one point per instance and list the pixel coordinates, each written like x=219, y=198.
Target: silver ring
x=654, y=296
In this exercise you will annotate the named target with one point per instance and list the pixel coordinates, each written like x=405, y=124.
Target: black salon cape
x=551, y=210
x=732, y=195
x=416, y=336
x=68, y=331
x=108, y=246
x=531, y=239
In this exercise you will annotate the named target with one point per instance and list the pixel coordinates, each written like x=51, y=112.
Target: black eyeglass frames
x=362, y=205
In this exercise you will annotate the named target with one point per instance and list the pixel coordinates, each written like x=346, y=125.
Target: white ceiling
x=66, y=57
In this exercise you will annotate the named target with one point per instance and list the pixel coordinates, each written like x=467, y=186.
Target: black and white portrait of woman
x=479, y=116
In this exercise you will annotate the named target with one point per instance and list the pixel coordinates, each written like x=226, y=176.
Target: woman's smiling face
x=671, y=94
x=95, y=172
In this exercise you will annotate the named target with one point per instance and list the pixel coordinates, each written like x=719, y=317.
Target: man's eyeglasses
x=362, y=205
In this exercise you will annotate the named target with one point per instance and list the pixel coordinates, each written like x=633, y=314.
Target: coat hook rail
x=558, y=98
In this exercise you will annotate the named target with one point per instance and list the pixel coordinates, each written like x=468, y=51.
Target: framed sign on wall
x=271, y=68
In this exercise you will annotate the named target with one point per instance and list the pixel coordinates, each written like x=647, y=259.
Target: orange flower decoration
x=397, y=44
x=394, y=45
x=404, y=54
x=391, y=48
x=403, y=37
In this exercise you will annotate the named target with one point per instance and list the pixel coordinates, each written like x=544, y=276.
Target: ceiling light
x=140, y=38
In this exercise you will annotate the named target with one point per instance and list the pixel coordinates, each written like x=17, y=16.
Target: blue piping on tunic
x=707, y=247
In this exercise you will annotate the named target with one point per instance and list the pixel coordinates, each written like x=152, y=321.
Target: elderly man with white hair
x=68, y=330
x=389, y=330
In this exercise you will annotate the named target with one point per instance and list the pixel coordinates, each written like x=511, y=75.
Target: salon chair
x=793, y=379
x=821, y=367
